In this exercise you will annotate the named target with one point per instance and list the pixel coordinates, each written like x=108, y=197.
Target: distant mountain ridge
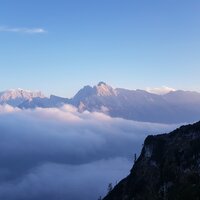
x=15, y=97
x=140, y=105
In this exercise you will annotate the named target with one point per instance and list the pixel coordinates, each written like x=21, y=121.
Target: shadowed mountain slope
x=168, y=168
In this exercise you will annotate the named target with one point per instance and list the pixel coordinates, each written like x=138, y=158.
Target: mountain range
x=174, y=107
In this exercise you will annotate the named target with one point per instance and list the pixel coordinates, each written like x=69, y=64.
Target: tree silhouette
x=110, y=187
x=100, y=198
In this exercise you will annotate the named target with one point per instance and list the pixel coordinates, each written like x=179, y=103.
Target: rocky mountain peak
x=105, y=90
x=20, y=93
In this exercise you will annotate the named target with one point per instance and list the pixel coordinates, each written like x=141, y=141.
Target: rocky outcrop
x=167, y=169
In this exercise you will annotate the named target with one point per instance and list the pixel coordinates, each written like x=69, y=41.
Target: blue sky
x=58, y=46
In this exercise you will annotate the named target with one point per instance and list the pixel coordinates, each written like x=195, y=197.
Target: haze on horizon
x=60, y=46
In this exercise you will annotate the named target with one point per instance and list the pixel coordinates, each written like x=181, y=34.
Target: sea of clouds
x=61, y=154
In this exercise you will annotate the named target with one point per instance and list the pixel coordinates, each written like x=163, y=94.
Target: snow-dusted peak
x=105, y=90
x=19, y=94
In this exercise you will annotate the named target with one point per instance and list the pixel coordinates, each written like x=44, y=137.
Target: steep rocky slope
x=167, y=169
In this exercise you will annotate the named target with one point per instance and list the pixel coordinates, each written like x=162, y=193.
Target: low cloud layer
x=63, y=154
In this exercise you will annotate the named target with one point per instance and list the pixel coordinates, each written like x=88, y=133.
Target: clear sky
x=58, y=46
